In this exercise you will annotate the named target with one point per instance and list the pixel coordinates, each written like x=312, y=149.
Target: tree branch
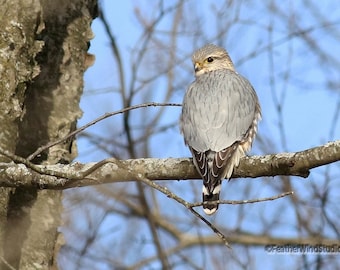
x=239, y=238
x=106, y=115
x=111, y=170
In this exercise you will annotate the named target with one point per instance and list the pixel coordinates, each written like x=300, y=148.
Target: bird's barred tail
x=210, y=196
x=220, y=165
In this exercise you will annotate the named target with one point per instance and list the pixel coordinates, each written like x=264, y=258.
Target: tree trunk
x=43, y=57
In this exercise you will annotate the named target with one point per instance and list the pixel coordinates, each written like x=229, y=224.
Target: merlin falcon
x=219, y=119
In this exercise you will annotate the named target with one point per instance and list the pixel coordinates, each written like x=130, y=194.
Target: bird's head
x=209, y=58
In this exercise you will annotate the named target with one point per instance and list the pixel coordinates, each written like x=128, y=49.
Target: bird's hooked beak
x=198, y=66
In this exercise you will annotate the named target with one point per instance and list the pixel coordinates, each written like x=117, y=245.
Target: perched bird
x=219, y=119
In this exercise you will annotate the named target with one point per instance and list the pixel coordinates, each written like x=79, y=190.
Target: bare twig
x=171, y=195
x=153, y=227
x=107, y=115
x=7, y=263
x=245, y=201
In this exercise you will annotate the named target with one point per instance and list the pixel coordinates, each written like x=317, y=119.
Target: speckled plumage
x=219, y=119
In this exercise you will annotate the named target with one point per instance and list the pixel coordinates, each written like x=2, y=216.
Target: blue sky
x=308, y=105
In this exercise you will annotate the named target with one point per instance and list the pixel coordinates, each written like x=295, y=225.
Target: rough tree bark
x=63, y=176
x=43, y=57
x=43, y=46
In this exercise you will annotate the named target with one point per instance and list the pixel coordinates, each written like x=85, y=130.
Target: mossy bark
x=43, y=56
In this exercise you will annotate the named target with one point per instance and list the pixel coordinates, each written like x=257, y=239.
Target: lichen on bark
x=43, y=46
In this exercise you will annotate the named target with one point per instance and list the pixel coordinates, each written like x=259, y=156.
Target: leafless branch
x=114, y=170
x=187, y=205
x=107, y=115
x=7, y=264
x=246, y=201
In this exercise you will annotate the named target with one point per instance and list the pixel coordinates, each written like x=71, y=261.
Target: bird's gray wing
x=218, y=109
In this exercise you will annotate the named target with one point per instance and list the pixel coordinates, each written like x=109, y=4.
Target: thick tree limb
x=111, y=170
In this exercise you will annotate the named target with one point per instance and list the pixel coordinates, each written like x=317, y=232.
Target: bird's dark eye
x=210, y=59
